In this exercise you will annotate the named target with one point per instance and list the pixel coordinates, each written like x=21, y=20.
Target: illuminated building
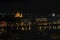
x=19, y=14
x=39, y=23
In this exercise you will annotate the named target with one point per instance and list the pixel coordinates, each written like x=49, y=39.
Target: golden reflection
x=17, y=24
x=22, y=28
x=59, y=27
x=29, y=23
x=21, y=23
x=41, y=19
x=29, y=28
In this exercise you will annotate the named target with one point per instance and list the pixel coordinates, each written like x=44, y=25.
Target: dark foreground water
x=30, y=35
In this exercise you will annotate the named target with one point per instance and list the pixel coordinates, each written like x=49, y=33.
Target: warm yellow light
x=23, y=28
x=22, y=24
x=18, y=14
x=59, y=27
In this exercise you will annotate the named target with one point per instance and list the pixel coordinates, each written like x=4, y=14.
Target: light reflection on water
x=32, y=34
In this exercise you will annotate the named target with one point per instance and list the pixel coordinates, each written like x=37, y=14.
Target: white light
x=53, y=14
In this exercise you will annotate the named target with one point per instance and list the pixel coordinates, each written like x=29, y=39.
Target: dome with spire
x=18, y=14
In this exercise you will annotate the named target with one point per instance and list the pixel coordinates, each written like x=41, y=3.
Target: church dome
x=18, y=14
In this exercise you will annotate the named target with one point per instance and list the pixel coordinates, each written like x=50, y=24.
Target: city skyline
x=29, y=19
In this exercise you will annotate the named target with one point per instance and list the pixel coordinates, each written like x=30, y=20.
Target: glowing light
x=53, y=14
x=22, y=24
x=18, y=14
x=29, y=23
x=59, y=27
x=22, y=28
x=29, y=28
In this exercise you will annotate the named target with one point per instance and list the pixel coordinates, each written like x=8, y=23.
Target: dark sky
x=47, y=6
x=14, y=5
x=31, y=7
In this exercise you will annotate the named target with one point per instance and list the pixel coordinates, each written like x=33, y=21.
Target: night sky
x=31, y=7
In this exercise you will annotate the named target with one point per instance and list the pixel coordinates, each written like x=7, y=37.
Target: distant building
x=18, y=14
